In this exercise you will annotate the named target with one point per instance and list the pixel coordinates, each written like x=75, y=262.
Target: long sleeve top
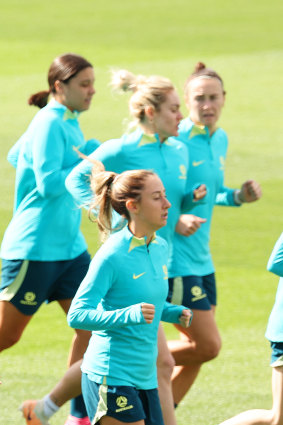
x=207, y=156
x=46, y=221
x=124, y=273
x=140, y=151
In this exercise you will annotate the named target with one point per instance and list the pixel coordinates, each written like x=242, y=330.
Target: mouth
x=208, y=116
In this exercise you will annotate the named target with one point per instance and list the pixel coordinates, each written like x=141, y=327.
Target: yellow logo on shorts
x=29, y=299
x=197, y=293
x=122, y=402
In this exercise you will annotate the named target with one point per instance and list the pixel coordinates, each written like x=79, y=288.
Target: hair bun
x=199, y=66
x=123, y=80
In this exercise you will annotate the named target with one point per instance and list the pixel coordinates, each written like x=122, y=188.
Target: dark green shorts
x=124, y=403
x=195, y=292
x=27, y=284
x=276, y=354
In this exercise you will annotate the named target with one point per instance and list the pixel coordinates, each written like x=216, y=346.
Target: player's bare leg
x=165, y=365
x=12, y=324
x=199, y=343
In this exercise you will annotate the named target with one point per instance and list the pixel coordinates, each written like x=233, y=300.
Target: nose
x=92, y=90
x=207, y=104
x=167, y=204
x=180, y=116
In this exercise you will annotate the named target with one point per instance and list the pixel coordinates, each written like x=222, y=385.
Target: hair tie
x=110, y=185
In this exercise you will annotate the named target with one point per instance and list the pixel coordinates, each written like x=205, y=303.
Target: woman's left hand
x=186, y=318
x=250, y=191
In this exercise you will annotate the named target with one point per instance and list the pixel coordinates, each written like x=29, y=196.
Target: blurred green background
x=243, y=42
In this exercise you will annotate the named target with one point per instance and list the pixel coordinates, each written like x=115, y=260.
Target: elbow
x=69, y=183
x=71, y=319
x=275, y=268
x=13, y=161
x=270, y=266
x=73, y=188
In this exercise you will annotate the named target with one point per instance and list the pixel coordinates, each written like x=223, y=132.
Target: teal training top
x=124, y=273
x=206, y=165
x=46, y=220
x=139, y=151
x=274, y=331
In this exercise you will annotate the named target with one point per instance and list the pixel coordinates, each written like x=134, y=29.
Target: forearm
x=80, y=317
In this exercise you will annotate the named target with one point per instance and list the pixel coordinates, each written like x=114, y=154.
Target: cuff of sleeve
x=136, y=316
x=198, y=201
x=237, y=199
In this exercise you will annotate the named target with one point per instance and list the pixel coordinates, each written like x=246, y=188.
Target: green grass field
x=242, y=40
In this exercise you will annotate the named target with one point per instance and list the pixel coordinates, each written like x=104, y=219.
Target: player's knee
x=276, y=418
x=204, y=350
x=165, y=366
x=210, y=350
x=8, y=341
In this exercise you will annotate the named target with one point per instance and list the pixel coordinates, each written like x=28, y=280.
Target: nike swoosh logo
x=136, y=276
x=197, y=163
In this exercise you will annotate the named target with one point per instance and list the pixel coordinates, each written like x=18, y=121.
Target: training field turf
x=242, y=40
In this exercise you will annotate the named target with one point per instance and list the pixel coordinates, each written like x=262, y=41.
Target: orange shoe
x=33, y=412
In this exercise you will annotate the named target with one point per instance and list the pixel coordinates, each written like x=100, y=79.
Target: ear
x=224, y=97
x=58, y=86
x=132, y=206
x=149, y=112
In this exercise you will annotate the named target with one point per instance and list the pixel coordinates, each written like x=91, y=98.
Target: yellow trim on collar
x=147, y=139
x=197, y=130
x=136, y=242
x=69, y=115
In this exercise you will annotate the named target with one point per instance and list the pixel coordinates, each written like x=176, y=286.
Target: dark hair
x=112, y=191
x=202, y=70
x=63, y=68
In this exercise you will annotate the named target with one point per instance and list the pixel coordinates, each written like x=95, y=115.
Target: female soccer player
x=155, y=107
x=274, y=334
x=121, y=300
x=193, y=284
x=43, y=252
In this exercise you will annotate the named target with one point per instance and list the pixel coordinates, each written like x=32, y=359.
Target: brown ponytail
x=39, y=99
x=111, y=191
x=63, y=68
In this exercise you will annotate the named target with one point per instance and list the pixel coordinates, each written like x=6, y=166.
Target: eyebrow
x=158, y=191
x=88, y=79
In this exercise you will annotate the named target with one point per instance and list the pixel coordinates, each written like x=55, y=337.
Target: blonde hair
x=147, y=91
x=111, y=191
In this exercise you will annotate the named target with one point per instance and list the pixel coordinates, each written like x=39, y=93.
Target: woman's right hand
x=148, y=311
x=188, y=224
